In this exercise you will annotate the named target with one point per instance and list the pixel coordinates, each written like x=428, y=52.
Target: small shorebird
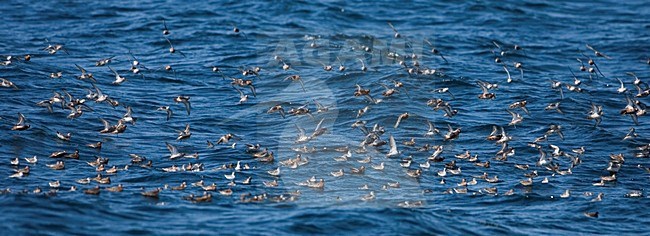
x=174, y=153
x=185, y=100
x=20, y=125
x=173, y=50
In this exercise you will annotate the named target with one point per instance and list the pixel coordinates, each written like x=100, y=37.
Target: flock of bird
x=378, y=147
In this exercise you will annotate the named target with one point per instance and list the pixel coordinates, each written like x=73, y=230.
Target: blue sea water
x=552, y=34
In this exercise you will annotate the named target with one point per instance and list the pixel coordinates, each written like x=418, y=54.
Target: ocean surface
x=306, y=36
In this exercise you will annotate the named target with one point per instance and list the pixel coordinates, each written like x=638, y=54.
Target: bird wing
x=590, y=48
x=364, y=130
x=134, y=58
x=21, y=119
x=106, y=124
x=542, y=154
x=431, y=126
x=241, y=94
x=302, y=85
x=494, y=130
x=253, y=90
x=619, y=80
x=301, y=130
x=171, y=149
x=170, y=42
x=187, y=106
x=66, y=93
x=507, y=72
x=482, y=85
x=392, y=27
x=114, y=72
x=594, y=109
x=635, y=119
x=320, y=124
x=99, y=92
x=169, y=113
x=282, y=112
x=318, y=105
x=83, y=71
x=631, y=74
x=393, y=145
x=512, y=114
x=399, y=119
x=427, y=41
